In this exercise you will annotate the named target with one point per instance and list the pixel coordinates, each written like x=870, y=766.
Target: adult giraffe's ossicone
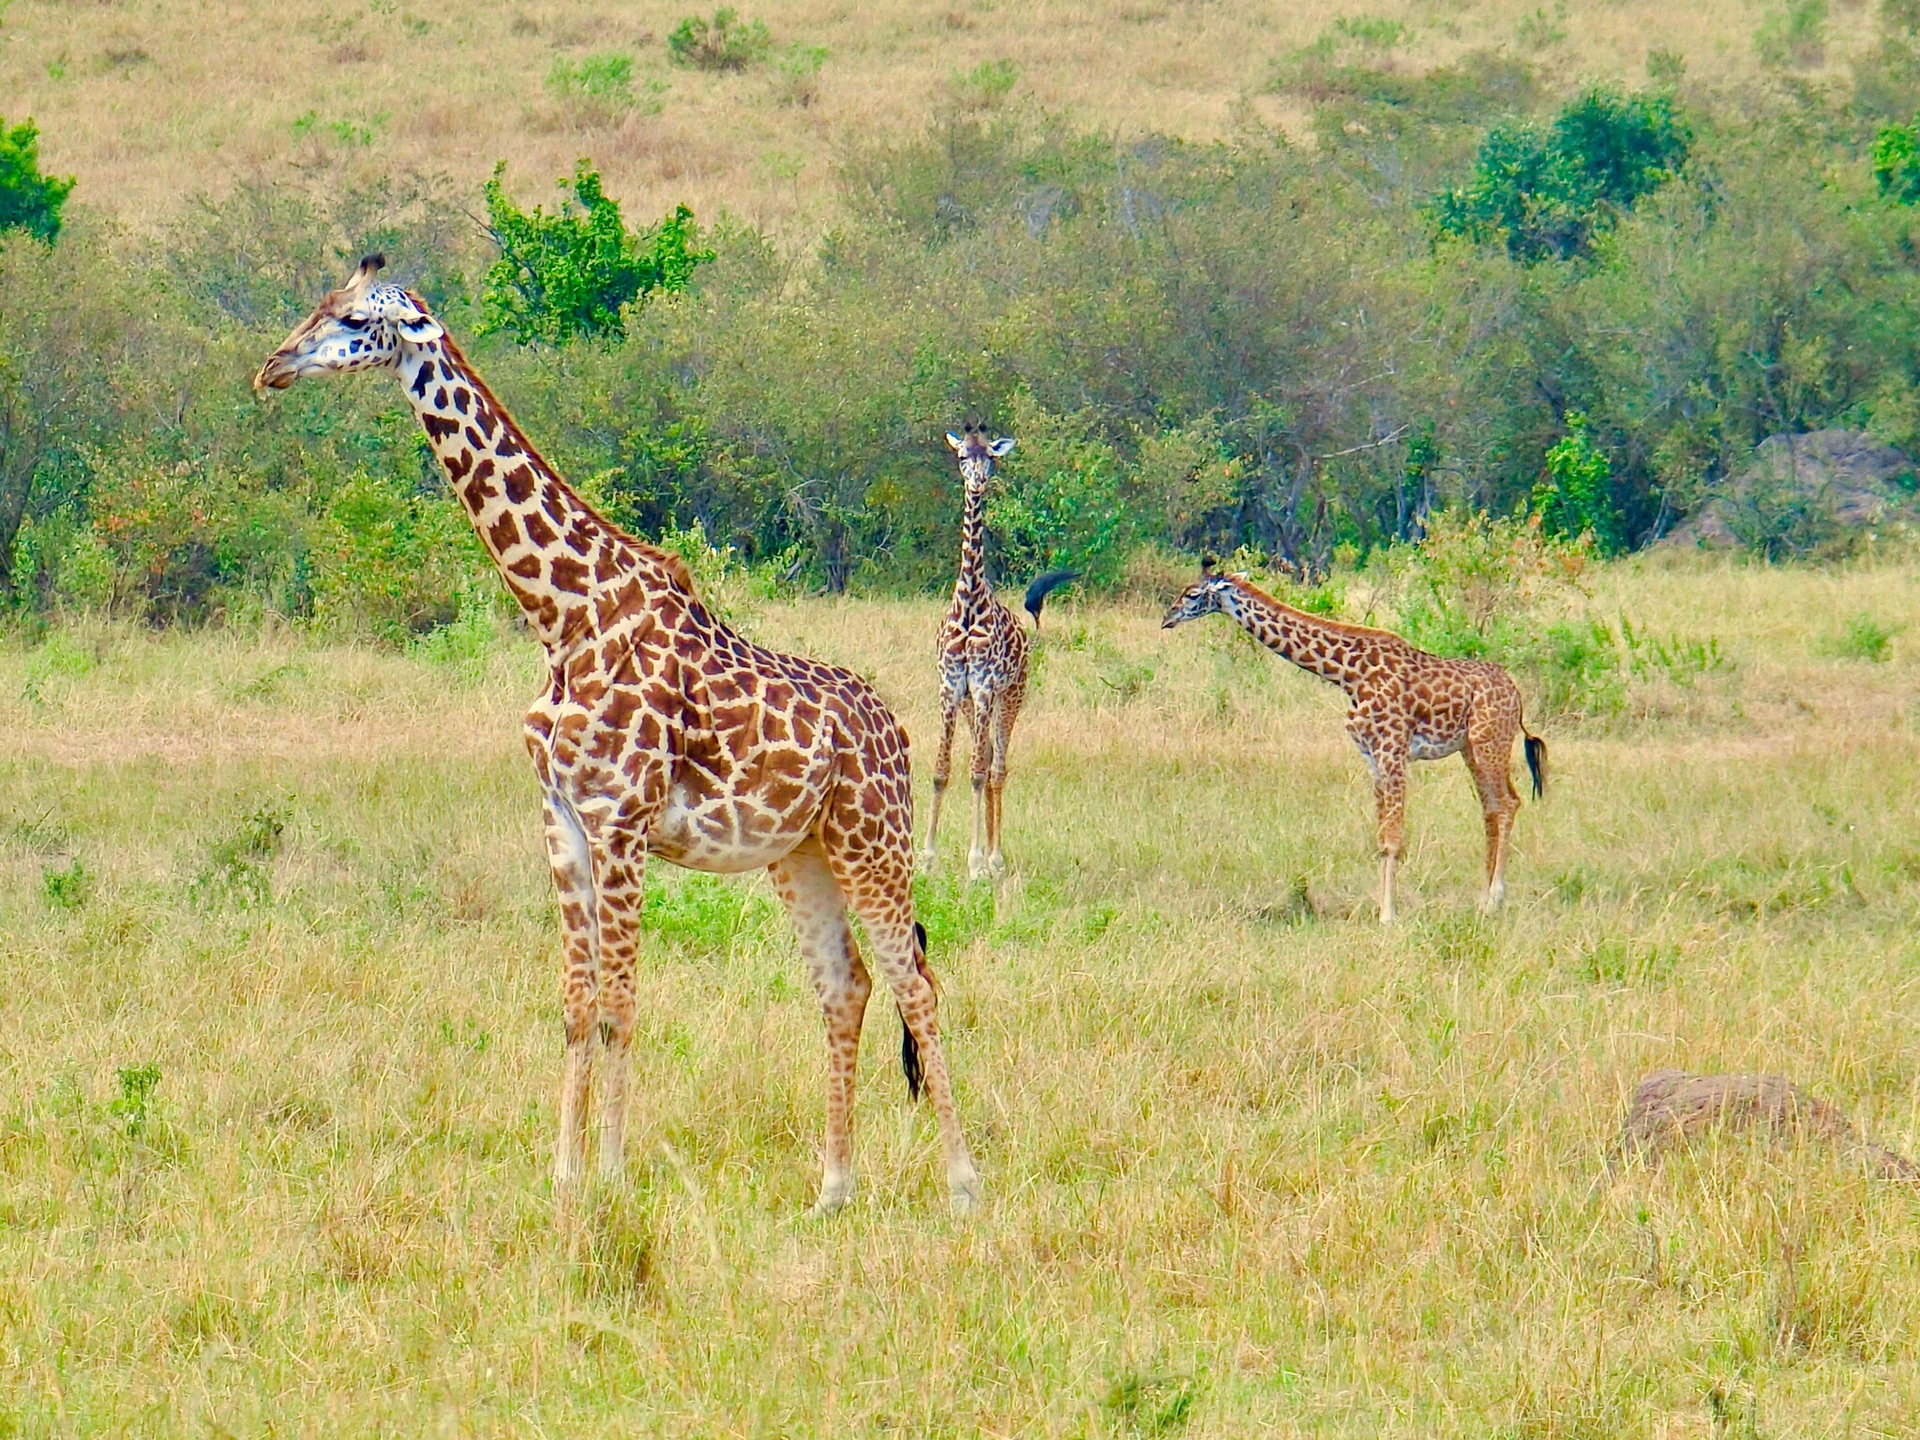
x=983, y=662
x=1405, y=705
x=662, y=732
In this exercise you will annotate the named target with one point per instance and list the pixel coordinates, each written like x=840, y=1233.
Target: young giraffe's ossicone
x=983, y=662
x=663, y=732
x=1405, y=705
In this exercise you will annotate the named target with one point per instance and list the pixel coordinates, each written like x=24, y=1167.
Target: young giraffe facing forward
x=1406, y=705
x=664, y=733
x=983, y=662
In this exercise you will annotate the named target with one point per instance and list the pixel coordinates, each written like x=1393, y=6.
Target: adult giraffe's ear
x=1000, y=447
x=411, y=319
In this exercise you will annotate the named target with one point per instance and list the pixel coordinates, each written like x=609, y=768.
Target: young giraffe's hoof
x=834, y=1195
x=964, y=1186
x=976, y=865
x=997, y=866
x=929, y=858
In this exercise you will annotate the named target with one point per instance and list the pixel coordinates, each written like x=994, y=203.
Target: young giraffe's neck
x=1326, y=648
x=970, y=588
x=556, y=554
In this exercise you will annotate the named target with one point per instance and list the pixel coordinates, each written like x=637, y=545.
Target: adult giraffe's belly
x=728, y=813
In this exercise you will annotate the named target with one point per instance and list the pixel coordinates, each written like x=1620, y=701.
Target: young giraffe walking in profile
x=983, y=662
x=664, y=733
x=1406, y=705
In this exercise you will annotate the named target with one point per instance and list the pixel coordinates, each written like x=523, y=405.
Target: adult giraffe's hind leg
x=580, y=984
x=818, y=910
x=878, y=888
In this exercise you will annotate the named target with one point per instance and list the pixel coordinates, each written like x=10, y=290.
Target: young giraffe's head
x=977, y=453
x=1206, y=595
x=360, y=326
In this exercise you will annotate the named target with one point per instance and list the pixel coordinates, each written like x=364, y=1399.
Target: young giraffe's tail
x=1536, y=749
x=909, y=1047
x=1044, y=586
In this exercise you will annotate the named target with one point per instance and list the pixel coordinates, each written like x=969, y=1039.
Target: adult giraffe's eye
x=354, y=322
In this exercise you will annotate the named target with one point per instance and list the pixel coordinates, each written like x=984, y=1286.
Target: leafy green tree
x=1575, y=498
x=1546, y=193
x=576, y=271
x=29, y=201
x=1896, y=162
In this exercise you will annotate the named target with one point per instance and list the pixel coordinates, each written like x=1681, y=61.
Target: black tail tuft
x=909, y=1047
x=1044, y=586
x=1537, y=764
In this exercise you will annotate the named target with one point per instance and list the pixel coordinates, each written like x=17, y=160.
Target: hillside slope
x=148, y=101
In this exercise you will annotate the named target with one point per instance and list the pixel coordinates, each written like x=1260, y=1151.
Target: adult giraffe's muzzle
x=277, y=374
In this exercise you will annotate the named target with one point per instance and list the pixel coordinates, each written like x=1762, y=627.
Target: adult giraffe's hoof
x=929, y=857
x=977, y=865
x=997, y=866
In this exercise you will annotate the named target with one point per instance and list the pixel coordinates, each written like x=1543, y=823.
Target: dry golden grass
x=1253, y=1165
x=148, y=101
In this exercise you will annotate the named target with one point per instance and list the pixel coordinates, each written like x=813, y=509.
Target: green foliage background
x=1244, y=344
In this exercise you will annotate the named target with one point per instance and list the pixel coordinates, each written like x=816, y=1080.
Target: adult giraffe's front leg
x=619, y=874
x=572, y=862
x=818, y=910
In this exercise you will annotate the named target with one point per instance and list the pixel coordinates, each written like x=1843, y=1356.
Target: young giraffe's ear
x=955, y=441
x=1000, y=447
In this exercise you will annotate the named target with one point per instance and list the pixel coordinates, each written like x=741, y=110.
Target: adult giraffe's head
x=977, y=453
x=360, y=326
x=1206, y=595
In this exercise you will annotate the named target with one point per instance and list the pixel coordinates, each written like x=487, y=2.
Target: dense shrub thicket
x=1255, y=344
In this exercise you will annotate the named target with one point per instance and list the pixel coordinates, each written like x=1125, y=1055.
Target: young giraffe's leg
x=1489, y=755
x=580, y=982
x=1390, y=800
x=876, y=885
x=819, y=914
x=985, y=702
x=1004, y=716
x=942, y=770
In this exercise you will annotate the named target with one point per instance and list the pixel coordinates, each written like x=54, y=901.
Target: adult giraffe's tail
x=909, y=1047
x=1536, y=749
x=1044, y=586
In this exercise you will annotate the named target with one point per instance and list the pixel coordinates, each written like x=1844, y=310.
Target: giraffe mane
x=676, y=568
x=1339, y=627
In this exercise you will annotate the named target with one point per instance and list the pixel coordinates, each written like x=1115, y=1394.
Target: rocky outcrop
x=1805, y=490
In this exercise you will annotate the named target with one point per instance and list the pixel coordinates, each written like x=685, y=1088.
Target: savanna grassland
x=151, y=101
x=280, y=1048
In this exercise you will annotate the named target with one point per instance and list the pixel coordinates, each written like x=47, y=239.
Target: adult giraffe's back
x=664, y=732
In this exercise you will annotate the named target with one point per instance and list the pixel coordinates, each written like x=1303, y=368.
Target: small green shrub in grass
x=1864, y=638
x=725, y=42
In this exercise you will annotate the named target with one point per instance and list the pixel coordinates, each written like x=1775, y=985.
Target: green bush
x=1574, y=499
x=577, y=271
x=1545, y=193
x=726, y=42
x=1896, y=162
x=29, y=201
x=390, y=562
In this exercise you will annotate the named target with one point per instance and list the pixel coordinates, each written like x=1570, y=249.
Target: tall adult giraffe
x=1406, y=705
x=663, y=732
x=983, y=662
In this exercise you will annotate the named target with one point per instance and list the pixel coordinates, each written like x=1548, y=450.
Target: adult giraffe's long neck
x=552, y=549
x=1325, y=648
x=970, y=587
